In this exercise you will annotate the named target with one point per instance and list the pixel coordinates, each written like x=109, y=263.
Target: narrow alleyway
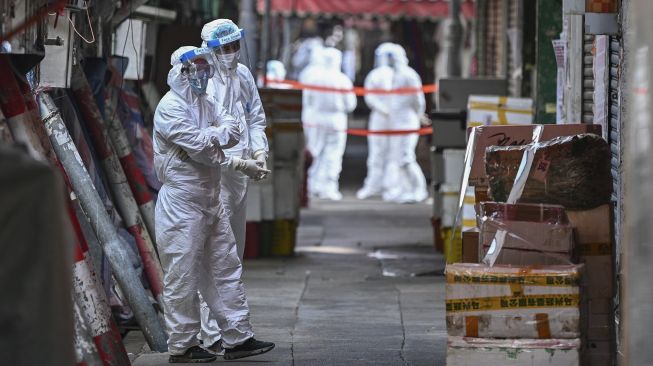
x=364, y=289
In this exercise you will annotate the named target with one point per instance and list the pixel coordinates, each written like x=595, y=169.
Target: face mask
x=229, y=60
x=198, y=85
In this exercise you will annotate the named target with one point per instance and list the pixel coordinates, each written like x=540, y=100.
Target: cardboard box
x=594, y=248
x=470, y=246
x=597, y=353
x=513, y=135
x=513, y=302
x=484, y=110
x=572, y=171
x=524, y=234
x=600, y=306
x=462, y=351
x=481, y=194
x=600, y=327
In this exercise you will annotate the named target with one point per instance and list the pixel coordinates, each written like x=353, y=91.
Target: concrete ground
x=365, y=287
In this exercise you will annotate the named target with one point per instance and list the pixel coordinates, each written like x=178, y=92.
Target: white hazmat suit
x=405, y=180
x=380, y=78
x=196, y=245
x=329, y=142
x=235, y=89
x=307, y=77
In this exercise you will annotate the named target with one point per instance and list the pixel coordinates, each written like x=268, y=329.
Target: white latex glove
x=250, y=167
x=262, y=157
x=425, y=121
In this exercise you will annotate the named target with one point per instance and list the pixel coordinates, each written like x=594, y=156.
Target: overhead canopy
x=391, y=8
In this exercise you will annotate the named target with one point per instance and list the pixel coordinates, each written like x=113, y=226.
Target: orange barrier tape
x=358, y=90
x=366, y=132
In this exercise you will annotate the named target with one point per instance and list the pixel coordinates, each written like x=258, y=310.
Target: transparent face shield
x=230, y=50
x=198, y=70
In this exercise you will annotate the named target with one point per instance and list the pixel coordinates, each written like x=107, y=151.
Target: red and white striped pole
x=86, y=353
x=127, y=205
x=123, y=149
x=112, y=245
x=93, y=301
x=17, y=101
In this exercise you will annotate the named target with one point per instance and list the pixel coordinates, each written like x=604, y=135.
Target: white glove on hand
x=250, y=167
x=262, y=157
x=425, y=121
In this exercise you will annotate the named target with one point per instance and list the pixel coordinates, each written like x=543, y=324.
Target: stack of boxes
x=273, y=204
x=536, y=285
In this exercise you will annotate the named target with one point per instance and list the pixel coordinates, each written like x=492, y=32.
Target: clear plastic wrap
x=463, y=351
x=573, y=171
x=513, y=301
x=524, y=234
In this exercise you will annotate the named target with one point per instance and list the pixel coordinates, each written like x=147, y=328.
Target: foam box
x=464, y=351
x=513, y=302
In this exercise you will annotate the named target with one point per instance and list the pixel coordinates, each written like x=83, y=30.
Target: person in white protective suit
x=196, y=245
x=234, y=89
x=276, y=74
x=404, y=178
x=378, y=155
x=331, y=108
x=307, y=77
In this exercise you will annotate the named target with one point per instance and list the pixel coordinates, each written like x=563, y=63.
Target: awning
x=391, y=8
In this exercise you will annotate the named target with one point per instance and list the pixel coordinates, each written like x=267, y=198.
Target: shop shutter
x=588, y=79
x=614, y=136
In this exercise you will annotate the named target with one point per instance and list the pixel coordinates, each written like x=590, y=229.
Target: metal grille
x=588, y=79
x=614, y=137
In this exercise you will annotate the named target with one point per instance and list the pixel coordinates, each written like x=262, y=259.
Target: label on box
x=541, y=169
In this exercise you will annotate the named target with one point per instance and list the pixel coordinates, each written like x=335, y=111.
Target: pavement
x=364, y=288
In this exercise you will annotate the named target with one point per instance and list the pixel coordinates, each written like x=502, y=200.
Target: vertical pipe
x=248, y=23
x=265, y=42
x=454, y=40
x=113, y=246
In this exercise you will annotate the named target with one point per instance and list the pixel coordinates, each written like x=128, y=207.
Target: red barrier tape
x=358, y=90
x=366, y=132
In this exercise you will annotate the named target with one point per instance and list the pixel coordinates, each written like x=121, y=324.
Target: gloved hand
x=250, y=167
x=425, y=121
x=262, y=157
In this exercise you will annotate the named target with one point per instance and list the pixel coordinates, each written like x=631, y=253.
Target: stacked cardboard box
x=494, y=313
x=490, y=322
x=485, y=110
x=594, y=238
x=524, y=234
x=462, y=351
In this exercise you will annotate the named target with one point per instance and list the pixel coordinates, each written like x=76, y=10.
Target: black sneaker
x=216, y=348
x=250, y=348
x=195, y=354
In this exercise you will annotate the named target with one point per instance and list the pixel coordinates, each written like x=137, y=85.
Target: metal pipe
x=248, y=23
x=113, y=246
x=125, y=200
x=454, y=40
x=265, y=41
